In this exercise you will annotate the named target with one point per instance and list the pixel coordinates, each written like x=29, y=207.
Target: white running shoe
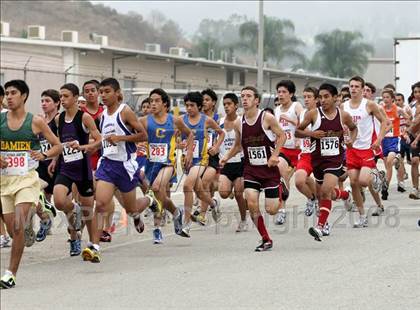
x=363, y=222
x=280, y=217
x=243, y=226
x=415, y=194
x=216, y=213
x=310, y=206
x=376, y=181
x=316, y=233
x=348, y=203
x=4, y=241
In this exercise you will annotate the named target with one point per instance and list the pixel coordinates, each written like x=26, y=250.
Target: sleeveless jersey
x=73, y=163
x=45, y=145
x=288, y=128
x=211, y=134
x=228, y=143
x=200, y=155
x=392, y=115
x=161, y=141
x=364, y=122
x=16, y=145
x=330, y=147
x=305, y=143
x=112, y=124
x=257, y=144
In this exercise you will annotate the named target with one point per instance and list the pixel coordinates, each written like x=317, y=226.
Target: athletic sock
x=259, y=222
x=340, y=194
x=325, y=208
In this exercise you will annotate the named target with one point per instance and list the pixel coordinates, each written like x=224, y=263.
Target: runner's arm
x=274, y=126
x=236, y=146
x=348, y=121
x=89, y=123
x=381, y=117
x=180, y=125
x=301, y=131
x=42, y=127
x=129, y=117
x=211, y=123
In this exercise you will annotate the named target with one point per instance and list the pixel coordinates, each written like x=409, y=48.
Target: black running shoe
x=264, y=246
x=284, y=190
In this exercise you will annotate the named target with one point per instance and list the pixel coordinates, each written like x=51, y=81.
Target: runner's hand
x=4, y=162
x=187, y=161
x=51, y=167
x=37, y=155
x=74, y=145
x=318, y=134
x=273, y=161
x=113, y=139
x=376, y=145
x=222, y=162
x=213, y=150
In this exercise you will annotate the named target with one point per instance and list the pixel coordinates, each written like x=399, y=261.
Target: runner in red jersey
x=261, y=138
x=304, y=183
x=327, y=156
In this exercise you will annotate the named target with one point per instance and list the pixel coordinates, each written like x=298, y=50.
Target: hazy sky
x=309, y=16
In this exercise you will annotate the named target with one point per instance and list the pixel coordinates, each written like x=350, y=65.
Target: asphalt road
x=370, y=268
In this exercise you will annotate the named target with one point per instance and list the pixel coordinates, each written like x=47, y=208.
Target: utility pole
x=260, y=73
x=25, y=68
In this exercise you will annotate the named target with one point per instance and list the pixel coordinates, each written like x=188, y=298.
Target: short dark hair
x=147, y=100
x=1, y=91
x=20, y=85
x=329, y=88
x=71, y=87
x=311, y=89
x=358, y=79
x=401, y=95
x=110, y=82
x=254, y=90
x=269, y=110
x=94, y=82
x=163, y=94
x=231, y=96
x=210, y=93
x=288, y=84
x=53, y=94
x=345, y=88
x=371, y=86
x=194, y=96
x=390, y=86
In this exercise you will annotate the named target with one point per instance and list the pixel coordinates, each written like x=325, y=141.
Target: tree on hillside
x=280, y=41
x=341, y=53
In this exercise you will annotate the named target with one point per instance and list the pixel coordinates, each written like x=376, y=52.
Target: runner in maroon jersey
x=327, y=155
x=261, y=138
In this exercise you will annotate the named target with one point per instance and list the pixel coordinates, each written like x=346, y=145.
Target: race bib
x=209, y=140
x=17, y=163
x=109, y=148
x=45, y=146
x=195, y=149
x=330, y=146
x=70, y=155
x=257, y=155
x=158, y=152
x=306, y=145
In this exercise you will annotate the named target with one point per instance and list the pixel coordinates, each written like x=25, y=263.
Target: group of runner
x=97, y=149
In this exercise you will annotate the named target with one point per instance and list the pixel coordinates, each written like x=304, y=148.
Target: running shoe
x=157, y=236
x=243, y=226
x=4, y=241
x=397, y=161
x=215, y=211
x=44, y=227
x=178, y=220
x=326, y=230
x=382, y=177
x=75, y=247
x=378, y=211
x=283, y=189
x=415, y=194
x=264, y=246
x=185, y=231
x=156, y=206
x=29, y=233
x=385, y=193
x=400, y=187
x=47, y=205
x=376, y=181
x=91, y=254
x=348, y=203
x=280, y=217
x=363, y=222
x=105, y=236
x=201, y=219
x=316, y=232
x=8, y=280
x=310, y=206
x=138, y=223
x=77, y=216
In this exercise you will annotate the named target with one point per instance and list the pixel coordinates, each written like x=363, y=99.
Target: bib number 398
x=330, y=146
x=17, y=163
x=257, y=155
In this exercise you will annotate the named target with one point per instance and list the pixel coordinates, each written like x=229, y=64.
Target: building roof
x=119, y=51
